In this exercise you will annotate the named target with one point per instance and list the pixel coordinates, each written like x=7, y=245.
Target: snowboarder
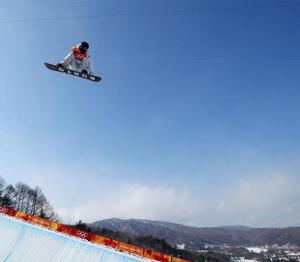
x=78, y=59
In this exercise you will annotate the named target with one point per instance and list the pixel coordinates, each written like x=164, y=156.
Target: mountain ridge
x=197, y=238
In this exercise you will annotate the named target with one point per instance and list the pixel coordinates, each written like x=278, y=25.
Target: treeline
x=26, y=199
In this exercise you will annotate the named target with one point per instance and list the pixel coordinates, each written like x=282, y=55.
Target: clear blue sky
x=196, y=110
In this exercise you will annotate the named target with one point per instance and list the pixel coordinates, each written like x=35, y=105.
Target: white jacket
x=71, y=62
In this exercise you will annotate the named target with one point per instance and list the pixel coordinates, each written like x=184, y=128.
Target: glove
x=60, y=65
x=84, y=71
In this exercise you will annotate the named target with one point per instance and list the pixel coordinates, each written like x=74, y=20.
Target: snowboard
x=72, y=72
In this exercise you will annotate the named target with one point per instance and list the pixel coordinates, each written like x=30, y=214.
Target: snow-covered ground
x=257, y=249
x=242, y=259
x=292, y=254
x=24, y=242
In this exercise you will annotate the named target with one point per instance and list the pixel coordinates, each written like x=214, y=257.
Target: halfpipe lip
x=97, y=246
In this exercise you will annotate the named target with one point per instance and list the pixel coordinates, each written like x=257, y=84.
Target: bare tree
x=8, y=198
x=9, y=194
x=2, y=186
x=21, y=194
x=26, y=199
x=33, y=195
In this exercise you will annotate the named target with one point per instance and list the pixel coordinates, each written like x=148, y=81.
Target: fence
x=108, y=242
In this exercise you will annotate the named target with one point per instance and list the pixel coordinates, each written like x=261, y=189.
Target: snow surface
x=20, y=241
x=257, y=249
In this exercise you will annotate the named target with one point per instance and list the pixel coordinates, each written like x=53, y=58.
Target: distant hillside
x=196, y=238
x=158, y=244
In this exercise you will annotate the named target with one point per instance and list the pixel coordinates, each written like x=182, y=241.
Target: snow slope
x=20, y=241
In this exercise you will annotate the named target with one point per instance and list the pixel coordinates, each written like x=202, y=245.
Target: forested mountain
x=197, y=238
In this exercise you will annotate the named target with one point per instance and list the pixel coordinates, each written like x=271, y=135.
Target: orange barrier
x=40, y=221
x=121, y=246
x=131, y=249
x=105, y=241
x=53, y=226
x=175, y=259
x=63, y=229
x=8, y=211
x=23, y=216
x=81, y=234
x=166, y=258
x=156, y=255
